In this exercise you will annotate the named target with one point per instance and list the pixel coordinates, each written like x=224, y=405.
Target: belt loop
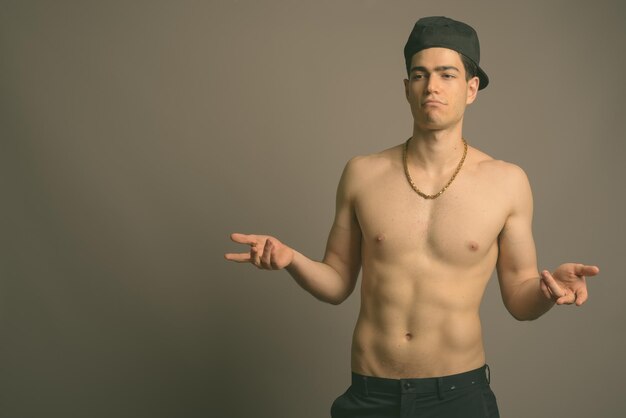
x=488, y=371
x=367, y=393
x=439, y=388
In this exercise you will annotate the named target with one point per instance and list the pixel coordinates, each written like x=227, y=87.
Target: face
x=437, y=90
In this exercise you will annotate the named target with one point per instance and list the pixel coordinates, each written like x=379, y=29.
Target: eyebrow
x=437, y=69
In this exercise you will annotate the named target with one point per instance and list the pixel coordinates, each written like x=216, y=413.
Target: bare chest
x=458, y=228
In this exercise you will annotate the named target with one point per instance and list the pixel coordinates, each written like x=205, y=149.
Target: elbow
x=527, y=311
x=336, y=300
x=339, y=297
x=523, y=317
x=330, y=299
x=341, y=293
x=522, y=314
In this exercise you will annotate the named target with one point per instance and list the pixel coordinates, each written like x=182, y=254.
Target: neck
x=435, y=151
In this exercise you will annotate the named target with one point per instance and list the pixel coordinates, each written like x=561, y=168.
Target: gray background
x=135, y=136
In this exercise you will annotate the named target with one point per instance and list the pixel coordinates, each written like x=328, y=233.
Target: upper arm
x=517, y=259
x=343, y=249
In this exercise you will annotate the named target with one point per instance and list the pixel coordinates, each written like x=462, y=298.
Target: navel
x=408, y=336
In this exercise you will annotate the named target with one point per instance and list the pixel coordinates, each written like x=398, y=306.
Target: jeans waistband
x=439, y=385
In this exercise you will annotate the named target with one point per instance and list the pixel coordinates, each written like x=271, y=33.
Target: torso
x=425, y=266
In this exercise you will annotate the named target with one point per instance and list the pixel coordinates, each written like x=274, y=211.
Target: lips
x=432, y=102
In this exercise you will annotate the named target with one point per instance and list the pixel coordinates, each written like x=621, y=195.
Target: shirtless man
x=427, y=221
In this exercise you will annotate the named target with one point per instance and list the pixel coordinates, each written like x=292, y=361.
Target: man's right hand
x=266, y=252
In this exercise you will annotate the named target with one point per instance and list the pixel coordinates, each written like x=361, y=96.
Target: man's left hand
x=567, y=285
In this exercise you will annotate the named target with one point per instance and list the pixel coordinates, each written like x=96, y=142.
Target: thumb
x=583, y=270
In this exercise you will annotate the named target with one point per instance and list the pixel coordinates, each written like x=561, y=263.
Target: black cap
x=443, y=32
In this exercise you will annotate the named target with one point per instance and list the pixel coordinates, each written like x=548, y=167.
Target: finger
x=583, y=270
x=566, y=299
x=238, y=257
x=581, y=296
x=273, y=256
x=267, y=254
x=244, y=238
x=255, y=257
x=554, y=287
x=544, y=289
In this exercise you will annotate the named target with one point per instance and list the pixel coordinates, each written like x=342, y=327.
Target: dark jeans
x=464, y=395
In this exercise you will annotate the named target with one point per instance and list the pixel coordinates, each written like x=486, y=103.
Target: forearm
x=319, y=279
x=528, y=301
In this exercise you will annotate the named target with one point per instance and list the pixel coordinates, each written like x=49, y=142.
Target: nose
x=432, y=84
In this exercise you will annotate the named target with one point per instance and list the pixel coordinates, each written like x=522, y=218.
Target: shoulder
x=362, y=170
x=374, y=165
x=500, y=172
x=378, y=160
x=503, y=181
x=506, y=181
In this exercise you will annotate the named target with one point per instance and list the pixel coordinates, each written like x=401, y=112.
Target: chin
x=431, y=125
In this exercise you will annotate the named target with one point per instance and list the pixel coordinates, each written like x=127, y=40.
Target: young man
x=427, y=221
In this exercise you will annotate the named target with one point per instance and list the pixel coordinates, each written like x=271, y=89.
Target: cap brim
x=483, y=79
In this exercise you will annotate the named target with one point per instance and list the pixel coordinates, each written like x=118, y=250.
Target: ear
x=406, y=88
x=472, y=89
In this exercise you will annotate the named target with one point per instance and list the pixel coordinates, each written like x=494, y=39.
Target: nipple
x=473, y=245
x=380, y=237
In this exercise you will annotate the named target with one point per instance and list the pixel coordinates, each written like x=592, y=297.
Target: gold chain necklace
x=408, y=175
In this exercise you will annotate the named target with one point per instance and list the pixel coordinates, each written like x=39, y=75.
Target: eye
x=448, y=76
x=417, y=76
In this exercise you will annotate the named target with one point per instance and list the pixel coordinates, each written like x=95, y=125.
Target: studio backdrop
x=135, y=136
